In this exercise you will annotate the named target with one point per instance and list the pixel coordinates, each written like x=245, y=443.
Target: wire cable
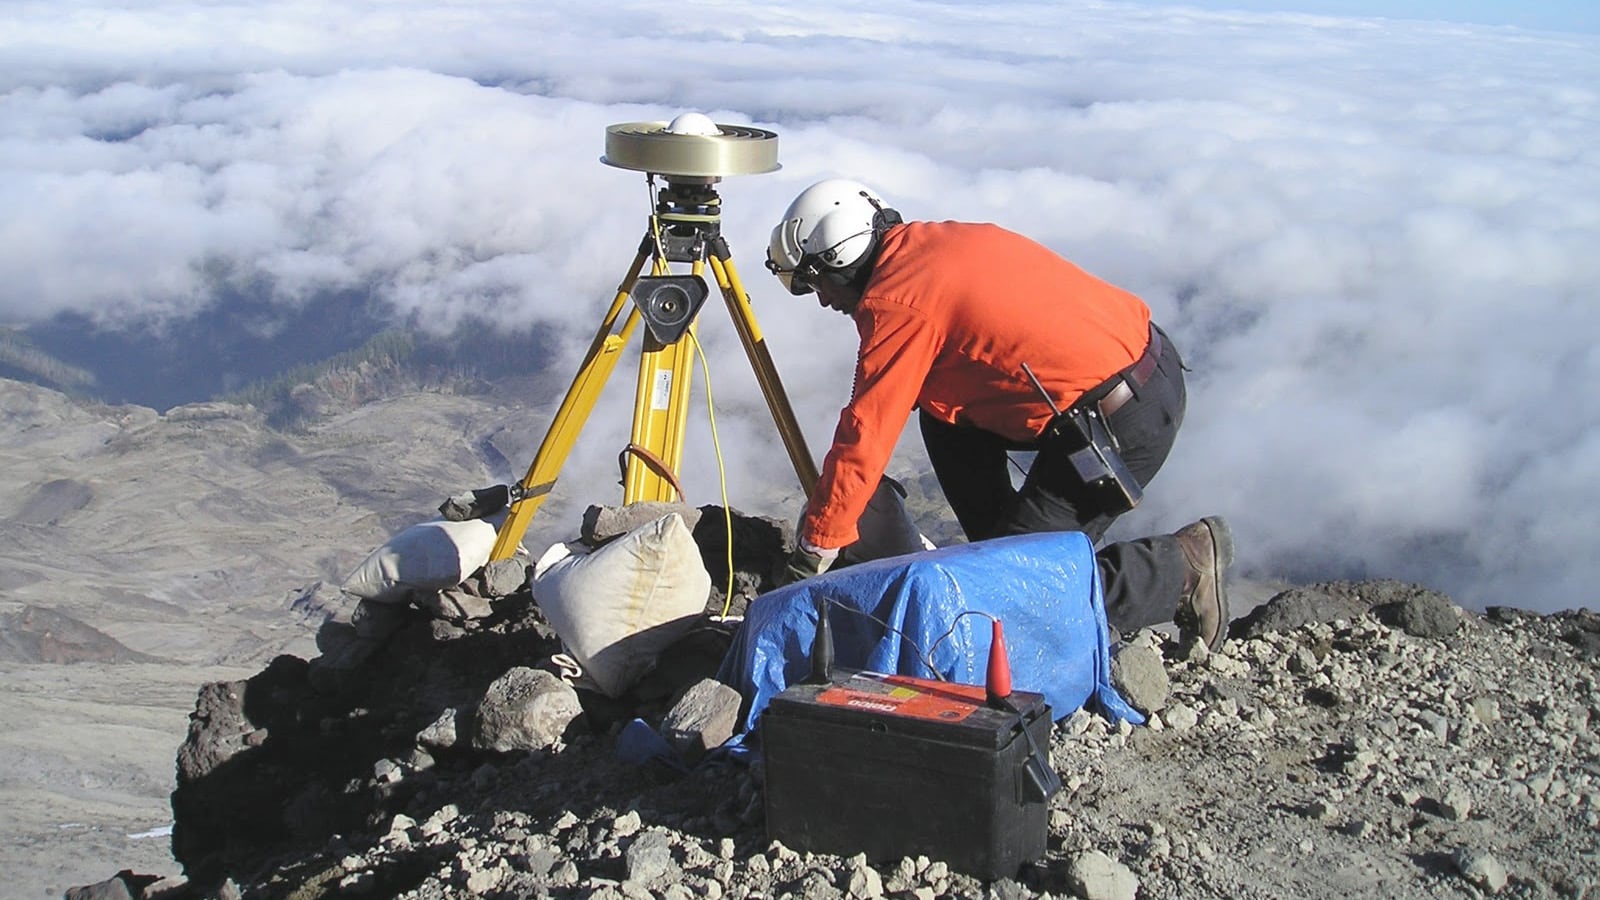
x=953, y=623
x=722, y=473
x=923, y=658
x=659, y=268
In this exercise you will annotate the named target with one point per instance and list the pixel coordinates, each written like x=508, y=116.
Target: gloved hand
x=803, y=564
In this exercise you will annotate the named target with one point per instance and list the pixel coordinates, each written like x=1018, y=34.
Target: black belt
x=1123, y=383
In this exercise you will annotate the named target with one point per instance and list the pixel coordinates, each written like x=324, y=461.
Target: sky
x=1544, y=15
x=1372, y=239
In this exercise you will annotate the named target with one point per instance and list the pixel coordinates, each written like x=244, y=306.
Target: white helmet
x=831, y=228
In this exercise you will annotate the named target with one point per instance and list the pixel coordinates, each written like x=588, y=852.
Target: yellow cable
x=722, y=474
x=661, y=268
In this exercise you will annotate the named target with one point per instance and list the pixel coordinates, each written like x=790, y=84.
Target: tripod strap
x=655, y=463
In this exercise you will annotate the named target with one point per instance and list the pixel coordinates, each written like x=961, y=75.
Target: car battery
x=893, y=766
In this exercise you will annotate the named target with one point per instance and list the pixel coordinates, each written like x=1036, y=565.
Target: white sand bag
x=428, y=556
x=617, y=608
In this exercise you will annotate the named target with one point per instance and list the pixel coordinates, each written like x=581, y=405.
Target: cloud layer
x=1374, y=241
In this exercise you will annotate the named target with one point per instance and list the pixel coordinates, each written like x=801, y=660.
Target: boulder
x=525, y=709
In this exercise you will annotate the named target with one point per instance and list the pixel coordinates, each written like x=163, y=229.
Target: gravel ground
x=1357, y=740
x=1351, y=740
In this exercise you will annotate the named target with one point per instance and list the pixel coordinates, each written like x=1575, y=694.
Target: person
x=1000, y=345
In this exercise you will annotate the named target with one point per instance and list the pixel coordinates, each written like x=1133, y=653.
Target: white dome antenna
x=693, y=123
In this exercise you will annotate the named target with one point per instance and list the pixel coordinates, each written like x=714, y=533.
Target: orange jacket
x=951, y=313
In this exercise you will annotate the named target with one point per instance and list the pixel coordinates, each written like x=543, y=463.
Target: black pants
x=1142, y=579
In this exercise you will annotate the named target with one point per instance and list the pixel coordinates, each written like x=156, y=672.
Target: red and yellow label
x=902, y=695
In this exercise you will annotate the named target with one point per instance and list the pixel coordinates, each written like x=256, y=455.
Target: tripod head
x=692, y=153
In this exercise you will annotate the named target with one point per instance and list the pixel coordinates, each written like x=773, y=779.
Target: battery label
x=902, y=695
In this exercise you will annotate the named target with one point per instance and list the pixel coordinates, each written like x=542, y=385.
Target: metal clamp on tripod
x=691, y=154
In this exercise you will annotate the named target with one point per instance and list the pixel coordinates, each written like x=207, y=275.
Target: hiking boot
x=1203, y=610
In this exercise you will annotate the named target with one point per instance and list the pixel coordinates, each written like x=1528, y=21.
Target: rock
x=865, y=882
x=217, y=730
x=1093, y=875
x=1296, y=607
x=1140, y=676
x=348, y=649
x=603, y=523
x=441, y=733
x=627, y=824
x=1006, y=889
x=904, y=876
x=476, y=503
x=702, y=719
x=525, y=709
x=124, y=885
x=504, y=577
x=817, y=885
x=387, y=771
x=1456, y=804
x=454, y=604
x=1585, y=642
x=441, y=819
x=1426, y=615
x=649, y=860
x=226, y=767
x=1482, y=869
x=540, y=861
x=1182, y=717
x=565, y=873
x=378, y=621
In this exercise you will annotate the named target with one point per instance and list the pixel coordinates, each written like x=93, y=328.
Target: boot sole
x=1221, y=559
x=1221, y=541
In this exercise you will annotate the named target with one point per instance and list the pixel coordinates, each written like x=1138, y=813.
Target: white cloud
x=1373, y=240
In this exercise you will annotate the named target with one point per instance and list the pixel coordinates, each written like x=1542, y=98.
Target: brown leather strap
x=652, y=462
x=1139, y=373
x=1146, y=366
x=1114, y=399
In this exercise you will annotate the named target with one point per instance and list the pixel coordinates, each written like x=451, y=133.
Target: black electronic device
x=1095, y=456
x=1097, y=460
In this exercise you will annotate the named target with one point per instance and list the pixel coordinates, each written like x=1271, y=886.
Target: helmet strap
x=882, y=220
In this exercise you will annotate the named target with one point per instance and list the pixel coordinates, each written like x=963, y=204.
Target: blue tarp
x=1044, y=588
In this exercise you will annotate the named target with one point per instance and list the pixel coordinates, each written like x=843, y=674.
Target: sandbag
x=427, y=556
x=904, y=615
x=618, y=607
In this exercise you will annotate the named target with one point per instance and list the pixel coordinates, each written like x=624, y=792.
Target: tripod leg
x=660, y=418
x=755, y=347
x=660, y=415
x=570, y=416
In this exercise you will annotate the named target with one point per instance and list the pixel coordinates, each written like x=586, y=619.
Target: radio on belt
x=893, y=766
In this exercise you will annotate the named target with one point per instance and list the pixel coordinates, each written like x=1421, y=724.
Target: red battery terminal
x=998, y=682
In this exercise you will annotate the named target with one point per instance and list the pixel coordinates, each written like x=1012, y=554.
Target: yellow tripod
x=685, y=227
